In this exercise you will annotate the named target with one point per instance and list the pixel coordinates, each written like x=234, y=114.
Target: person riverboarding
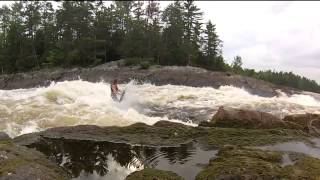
x=116, y=91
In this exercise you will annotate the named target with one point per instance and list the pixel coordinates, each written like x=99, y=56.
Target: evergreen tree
x=192, y=18
x=173, y=51
x=237, y=64
x=153, y=30
x=34, y=35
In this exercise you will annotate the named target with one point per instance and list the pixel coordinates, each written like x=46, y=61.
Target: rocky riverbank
x=19, y=163
x=235, y=133
x=159, y=75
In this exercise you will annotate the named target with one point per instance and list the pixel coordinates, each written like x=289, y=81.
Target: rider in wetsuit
x=115, y=90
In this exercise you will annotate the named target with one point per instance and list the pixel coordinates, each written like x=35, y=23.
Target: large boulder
x=240, y=118
x=4, y=136
x=307, y=122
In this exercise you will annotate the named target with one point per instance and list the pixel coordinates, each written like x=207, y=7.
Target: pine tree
x=192, y=19
x=153, y=30
x=173, y=51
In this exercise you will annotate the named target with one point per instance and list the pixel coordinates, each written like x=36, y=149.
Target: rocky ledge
x=237, y=133
x=159, y=75
x=228, y=126
x=18, y=163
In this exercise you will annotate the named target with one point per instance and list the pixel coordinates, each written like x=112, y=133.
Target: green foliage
x=280, y=78
x=34, y=35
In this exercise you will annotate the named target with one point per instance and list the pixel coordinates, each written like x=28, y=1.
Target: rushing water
x=103, y=160
x=81, y=102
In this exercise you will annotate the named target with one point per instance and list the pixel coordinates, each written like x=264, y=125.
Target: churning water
x=81, y=102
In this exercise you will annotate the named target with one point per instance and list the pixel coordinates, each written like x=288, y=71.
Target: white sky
x=267, y=35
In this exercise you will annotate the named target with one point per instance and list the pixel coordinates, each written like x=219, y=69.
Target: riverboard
x=122, y=95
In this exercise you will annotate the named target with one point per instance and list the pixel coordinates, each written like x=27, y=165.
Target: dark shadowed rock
x=239, y=118
x=4, y=136
x=153, y=174
x=20, y=163
x=158, y=75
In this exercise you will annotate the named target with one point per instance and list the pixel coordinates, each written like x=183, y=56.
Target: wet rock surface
x=19, y=163
x=158, y=75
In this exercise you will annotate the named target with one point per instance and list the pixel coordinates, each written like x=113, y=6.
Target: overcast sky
x=268, y=35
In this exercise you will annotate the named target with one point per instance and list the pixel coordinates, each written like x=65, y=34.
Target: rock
x=248, y=164
x=306, y=122
x=160, y=75
x=162, y=133
x=237, y=163
x=4, y=136
x=19, y=163
x=165, y=133
x=153, y=174
x=239, y=118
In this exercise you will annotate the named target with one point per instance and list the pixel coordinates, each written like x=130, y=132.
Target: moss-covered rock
x=17, y=161
x=162, y=133
x=153, y=174
x=305, y=168
x=234, y=163
x=165, y=133
x=218, y=137
x=241, y=118
x=243, y=163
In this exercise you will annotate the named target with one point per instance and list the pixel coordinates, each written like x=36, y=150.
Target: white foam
x=81, y=102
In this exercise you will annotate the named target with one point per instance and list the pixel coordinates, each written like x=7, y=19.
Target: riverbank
x=225, y=151
x=158, y=75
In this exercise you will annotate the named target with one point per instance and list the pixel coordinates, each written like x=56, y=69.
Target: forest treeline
x=34, y=35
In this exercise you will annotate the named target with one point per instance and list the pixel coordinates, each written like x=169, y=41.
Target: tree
x=173, y=50
x=237, y=64
x=211, y=41
x=153, y=30
x=135, y=38
x=192, y=19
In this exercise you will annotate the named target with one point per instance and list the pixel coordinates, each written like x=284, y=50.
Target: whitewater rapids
x=80, y=102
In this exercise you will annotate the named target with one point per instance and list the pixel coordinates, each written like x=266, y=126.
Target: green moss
x=11, y=165
x=168, y=133
x=152, y=174
x=162, y=133
x=4, y=144
x=305, y=168
x=17, y=157
x=243, y=163
x=249, y=137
